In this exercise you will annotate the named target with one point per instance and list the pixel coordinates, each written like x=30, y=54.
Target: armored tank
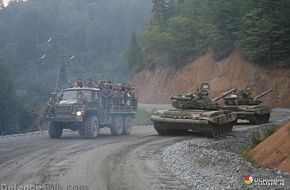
x=248, y=107
x=195, y=112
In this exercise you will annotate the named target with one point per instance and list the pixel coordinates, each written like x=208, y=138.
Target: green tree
x=265, y=33
x=160, y=11
x=8, y=122
x=134, y=54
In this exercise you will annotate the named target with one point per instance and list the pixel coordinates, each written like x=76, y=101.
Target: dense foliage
x=179, y=29
x=14, y=117
x=42, y=41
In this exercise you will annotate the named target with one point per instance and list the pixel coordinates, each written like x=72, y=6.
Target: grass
x=270, y=131
x=247, y=155
x=256, y=138
x=142, y=117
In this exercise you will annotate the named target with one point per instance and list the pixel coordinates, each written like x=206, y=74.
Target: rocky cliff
x=158, y=82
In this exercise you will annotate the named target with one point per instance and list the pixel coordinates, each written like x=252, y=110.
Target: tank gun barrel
x=224, y=94
x=262, y=94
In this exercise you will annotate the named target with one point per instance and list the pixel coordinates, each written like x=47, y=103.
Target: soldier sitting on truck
x=90, y=84
x=101, y=85
x=79, y=83
x=106, y=93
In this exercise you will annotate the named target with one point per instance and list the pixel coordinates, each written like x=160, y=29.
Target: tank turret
x=244, y=97
x=248, y=107
x=199, y=100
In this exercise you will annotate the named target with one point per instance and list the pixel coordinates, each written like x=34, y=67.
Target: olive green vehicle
x=248, y=107
x=86, y=110
x=195, y=112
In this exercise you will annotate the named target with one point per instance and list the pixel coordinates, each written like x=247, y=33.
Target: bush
x=256, y=139
x=247, y=155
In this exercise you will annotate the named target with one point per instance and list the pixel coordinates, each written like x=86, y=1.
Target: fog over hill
x=88, y=38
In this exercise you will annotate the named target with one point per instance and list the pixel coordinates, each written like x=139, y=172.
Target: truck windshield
x=75, y=94
x=67, y=95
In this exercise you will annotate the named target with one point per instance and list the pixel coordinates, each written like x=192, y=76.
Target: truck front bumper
x=65, y=119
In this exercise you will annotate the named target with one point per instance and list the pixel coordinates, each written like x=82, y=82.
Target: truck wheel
x=91, y=127
x=118, y=125
x=54, y=130
x=127, y=126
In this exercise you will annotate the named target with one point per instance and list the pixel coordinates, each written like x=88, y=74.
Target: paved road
x=108, y=162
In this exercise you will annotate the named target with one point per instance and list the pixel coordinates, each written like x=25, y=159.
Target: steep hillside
x=157, y=83
x=273, y=152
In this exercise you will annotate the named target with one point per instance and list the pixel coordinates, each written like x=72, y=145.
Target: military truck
x=89, y=109
x=248, y=107
x=195, y=112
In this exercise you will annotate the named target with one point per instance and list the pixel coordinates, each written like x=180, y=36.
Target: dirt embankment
x=157, y=83
x=274, y=151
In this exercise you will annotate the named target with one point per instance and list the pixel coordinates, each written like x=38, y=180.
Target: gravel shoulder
x=203, y=163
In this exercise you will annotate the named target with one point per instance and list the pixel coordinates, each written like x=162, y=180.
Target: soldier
x=79, y=83
x=49, y=109
x=245, y=96
x=106, y=94
x=91, y=83
x=96, y=84
x=101, y=85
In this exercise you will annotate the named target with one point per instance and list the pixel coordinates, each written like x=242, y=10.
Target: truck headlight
x=79, y=113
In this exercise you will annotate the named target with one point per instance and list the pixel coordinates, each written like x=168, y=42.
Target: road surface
x=108, y=162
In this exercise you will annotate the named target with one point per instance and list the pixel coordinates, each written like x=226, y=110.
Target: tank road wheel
x=127, y=126
x=161, y=130
x=54, y=130
x=118, y=125
x=91, y=127
x=266, y=118
x=254, y=120
x=214, y=131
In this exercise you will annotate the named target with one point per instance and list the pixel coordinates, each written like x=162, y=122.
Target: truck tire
x=54, y=130
x=127, y=125
x=91, y=127
x=118, y=125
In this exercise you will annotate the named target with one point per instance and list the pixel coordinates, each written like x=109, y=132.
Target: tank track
x=259, y=119
x=212, y=130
